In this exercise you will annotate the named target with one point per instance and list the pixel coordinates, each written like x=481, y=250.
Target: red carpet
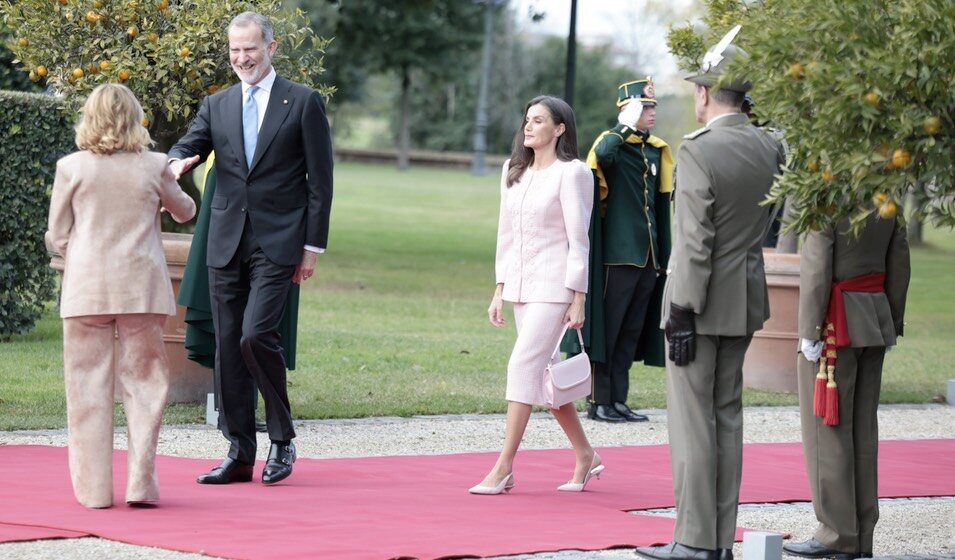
x=415, y=506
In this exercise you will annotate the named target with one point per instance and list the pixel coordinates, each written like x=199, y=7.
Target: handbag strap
x=580, y=338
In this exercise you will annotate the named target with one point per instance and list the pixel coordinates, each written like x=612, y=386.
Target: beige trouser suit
x=104, y=221
x=724, y=171
x=842, y=460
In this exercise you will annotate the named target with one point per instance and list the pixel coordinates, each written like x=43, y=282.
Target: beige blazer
x=542, y=244
x=724, y=171
x=104, y=221
x=873, y=319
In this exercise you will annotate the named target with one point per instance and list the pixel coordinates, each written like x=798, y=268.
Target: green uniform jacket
x=194, y=292
x=622, y=158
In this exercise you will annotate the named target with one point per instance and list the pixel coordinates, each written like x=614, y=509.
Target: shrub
x=34, y=133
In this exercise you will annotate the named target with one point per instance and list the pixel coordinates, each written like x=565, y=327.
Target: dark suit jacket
x=287, y=192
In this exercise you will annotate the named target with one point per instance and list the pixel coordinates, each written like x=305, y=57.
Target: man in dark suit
x=269, y=221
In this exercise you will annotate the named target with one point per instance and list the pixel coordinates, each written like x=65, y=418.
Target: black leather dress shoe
x=227, y=472
x=814, y=549
x=724, y=554
x=279, y=464
x=631, y=416
x=605, y=413
x=676, y=551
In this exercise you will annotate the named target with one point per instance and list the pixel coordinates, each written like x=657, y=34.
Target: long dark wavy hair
x=522, y=157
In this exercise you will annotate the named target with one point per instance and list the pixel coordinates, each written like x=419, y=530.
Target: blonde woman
x=104, y=221
x=541, y=267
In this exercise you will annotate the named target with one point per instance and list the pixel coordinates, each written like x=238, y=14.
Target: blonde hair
x=112, y=121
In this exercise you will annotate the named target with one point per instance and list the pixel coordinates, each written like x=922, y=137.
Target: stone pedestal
x=189, y=382
x=771, y=359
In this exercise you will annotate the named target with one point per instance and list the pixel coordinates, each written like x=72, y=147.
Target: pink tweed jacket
x=104, y=221
x=542, y=244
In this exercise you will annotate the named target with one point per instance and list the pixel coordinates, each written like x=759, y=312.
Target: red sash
x=836, y=335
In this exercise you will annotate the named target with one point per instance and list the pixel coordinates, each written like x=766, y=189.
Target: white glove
x=811, y=349
x=630, y=114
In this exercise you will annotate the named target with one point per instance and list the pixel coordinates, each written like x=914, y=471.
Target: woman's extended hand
x=495, y=312
x=575, y=313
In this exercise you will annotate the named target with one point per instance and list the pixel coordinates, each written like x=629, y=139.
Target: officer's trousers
x=842, y=461
x=705, y=425
x=626, y=296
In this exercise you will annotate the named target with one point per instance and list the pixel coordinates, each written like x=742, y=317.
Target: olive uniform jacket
x=724, y=171
x=833, y=254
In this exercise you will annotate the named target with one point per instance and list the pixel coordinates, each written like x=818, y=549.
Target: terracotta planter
x=771, y=359
x=189, y=382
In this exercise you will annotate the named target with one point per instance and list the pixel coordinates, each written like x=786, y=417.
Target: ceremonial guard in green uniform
x=634, y=171
x=851, y=304
x=715, y=299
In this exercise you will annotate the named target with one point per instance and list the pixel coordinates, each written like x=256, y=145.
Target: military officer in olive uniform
x=858, y=285
x=715, y=298
x=634, y=171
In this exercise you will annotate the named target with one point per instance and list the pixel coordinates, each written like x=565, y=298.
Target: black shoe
x=814, y=549
x=279, y=464
x=631, y=416
x=605, y=413
x=227, y=472
x=261, y=427
x=724, y=554
x=676, y=551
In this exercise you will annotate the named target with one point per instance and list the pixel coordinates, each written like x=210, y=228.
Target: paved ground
x=908, y=528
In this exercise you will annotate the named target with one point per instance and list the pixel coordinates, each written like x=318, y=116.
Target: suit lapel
x=279, y=105
x=232, y=116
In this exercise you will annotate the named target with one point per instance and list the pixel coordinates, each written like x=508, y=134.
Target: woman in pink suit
x=104, y=221
x=541, y=267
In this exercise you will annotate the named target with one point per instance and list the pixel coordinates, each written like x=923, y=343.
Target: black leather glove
x=680, y=331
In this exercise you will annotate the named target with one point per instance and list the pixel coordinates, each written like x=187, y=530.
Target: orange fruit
x=132, y=31
x=827, y=176
x=123, y=75
x=92, y=16
x=34, y=77
x=888, y=210
x=23, y=41
x=78, y=73
x=41, y=71
x=932, y=125
x=813, y=166
x=104, y=65
x=880, y=198
x=146, y=121
x=163, y=5
x=901, y=158
x=796, y=71
x=871, y=99
x=153, y=37
x=184, y=52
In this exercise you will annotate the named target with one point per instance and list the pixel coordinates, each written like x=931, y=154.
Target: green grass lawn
x=394, y=323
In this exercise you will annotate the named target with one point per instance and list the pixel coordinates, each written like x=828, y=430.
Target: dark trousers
x=626, y=297
x=248, y=299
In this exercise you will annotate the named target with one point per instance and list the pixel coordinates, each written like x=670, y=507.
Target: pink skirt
x=538, y=327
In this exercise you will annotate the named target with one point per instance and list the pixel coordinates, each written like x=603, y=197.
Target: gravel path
x=923, y=528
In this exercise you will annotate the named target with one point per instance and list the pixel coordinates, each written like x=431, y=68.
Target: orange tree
x=171, y=53
x=865, y=91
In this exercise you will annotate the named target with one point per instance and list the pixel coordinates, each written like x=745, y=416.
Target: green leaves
x=171, y=53
x=865, y=93
x=38, y=134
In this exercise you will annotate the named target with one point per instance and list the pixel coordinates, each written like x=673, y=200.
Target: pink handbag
x=567, y=380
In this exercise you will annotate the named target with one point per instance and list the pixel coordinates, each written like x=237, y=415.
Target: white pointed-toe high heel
x=504, y=485
x=594, y=472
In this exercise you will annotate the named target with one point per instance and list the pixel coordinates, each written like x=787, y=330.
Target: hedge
x=34, y=133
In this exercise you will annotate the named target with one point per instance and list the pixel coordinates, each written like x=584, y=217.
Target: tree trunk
x=404, y=134
x=788, y=242
x=913, y=225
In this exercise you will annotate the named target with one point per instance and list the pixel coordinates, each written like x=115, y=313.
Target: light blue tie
x=250, y=125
